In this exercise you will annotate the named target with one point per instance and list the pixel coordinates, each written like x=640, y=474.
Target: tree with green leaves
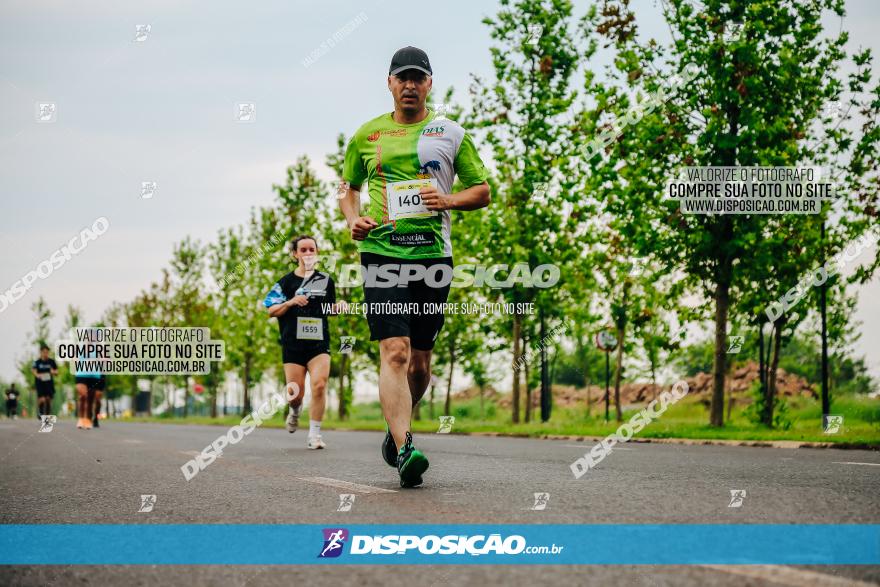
x=524, y=115
x=755, y=102
x=190, y=304
x=244, y=272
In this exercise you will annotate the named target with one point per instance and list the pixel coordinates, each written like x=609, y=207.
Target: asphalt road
x=97, y=477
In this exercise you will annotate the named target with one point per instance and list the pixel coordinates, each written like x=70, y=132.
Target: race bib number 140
x=404, y=200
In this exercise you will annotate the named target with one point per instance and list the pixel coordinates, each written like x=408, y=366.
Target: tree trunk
x=449, y=381
x=482, y=392
x=247, y=380
x=516, y=354
x=762, y=381
x=528, y=384
x=621, y=331
x=653, y=377
x=765, y=392
x=770, y=396
x=186, y=396
x=589, y=401
x=546, y=400
x=168, y=397
x=722, y=305
x=343, y=366
x=214, y=402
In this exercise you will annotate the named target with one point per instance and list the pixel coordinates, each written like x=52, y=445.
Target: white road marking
x=195, y=453
x=587, y=444
x=853, y=463
x=130, y=441
x=354, y=487
x=783, y=575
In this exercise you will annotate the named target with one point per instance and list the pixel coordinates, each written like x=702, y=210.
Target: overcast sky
x=164, y=109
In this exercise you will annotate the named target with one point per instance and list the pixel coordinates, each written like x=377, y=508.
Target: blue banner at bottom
x=554, y=544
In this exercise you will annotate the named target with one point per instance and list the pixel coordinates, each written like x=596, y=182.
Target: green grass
x=686, y=419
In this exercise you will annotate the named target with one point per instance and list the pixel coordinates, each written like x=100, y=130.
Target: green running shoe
x=389, y=449
x=411, y=464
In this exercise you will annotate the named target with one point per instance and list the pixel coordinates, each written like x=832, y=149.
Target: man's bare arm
x=472, y=198
x=350, y=205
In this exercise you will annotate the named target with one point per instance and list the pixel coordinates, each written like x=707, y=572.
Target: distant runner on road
x=297, y=301
x=409, y=158
x=44, y=370
x=12, y=401
x=88, y=385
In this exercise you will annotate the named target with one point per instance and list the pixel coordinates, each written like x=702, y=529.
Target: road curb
x=698, y=441
x=577, y=438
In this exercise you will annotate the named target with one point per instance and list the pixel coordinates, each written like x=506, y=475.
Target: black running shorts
x=421, y=327
x=300, y=356
x=45, y=389
x=93, y=383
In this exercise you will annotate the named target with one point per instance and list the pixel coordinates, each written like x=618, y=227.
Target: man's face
x=410, y=89
x=44, y=353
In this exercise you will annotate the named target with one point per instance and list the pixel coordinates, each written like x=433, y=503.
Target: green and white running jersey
x=396, y=160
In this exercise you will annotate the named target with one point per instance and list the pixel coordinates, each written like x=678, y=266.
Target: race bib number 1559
x=309, y=329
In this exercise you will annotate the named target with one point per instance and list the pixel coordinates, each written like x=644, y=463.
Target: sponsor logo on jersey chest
x=413, y=239
x=434, y=131
x=398, y=132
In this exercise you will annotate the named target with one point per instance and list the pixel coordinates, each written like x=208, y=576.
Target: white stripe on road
x=194, y=453
x=788, y=576
x=852, y=463
x=586, y=444
x=355, y=487
x=130, y=441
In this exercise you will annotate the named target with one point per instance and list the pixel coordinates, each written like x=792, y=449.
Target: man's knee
x=419, y=369
x=420, y=364
x=395, y=352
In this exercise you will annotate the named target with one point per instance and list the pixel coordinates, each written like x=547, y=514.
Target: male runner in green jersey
x=409, y=159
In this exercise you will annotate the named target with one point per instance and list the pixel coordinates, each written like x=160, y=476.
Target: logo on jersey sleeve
x=425, y=170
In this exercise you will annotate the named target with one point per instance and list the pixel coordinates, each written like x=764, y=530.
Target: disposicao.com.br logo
x=334, y=540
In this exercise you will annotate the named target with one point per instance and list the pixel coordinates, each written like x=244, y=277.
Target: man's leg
x=90, y=406
x=419, y=374
x=81, y=401
x=98, y=396
x=394, y=393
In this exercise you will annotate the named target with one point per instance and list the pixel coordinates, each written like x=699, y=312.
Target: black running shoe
x=95, y=422
x=411, y=463
x=389, y=449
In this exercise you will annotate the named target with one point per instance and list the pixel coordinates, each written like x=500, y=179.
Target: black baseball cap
x=410, y=58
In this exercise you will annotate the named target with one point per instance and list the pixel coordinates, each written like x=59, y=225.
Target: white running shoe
x=293, y=418
x=316, y=442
